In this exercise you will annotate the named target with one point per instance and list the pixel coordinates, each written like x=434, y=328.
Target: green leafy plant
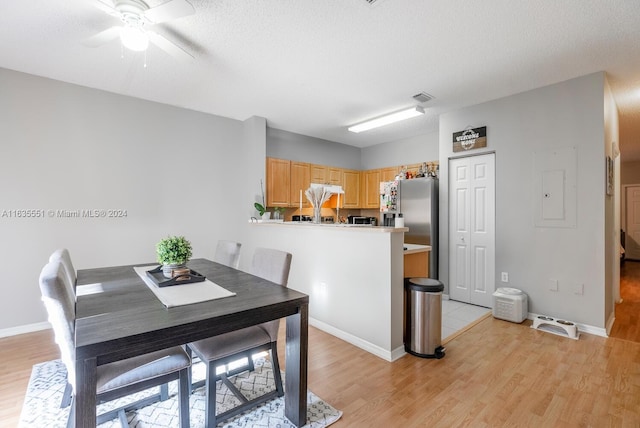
x=260, y=207
x=173, y=250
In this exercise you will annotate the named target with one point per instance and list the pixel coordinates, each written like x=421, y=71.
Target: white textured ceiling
x=316, y=66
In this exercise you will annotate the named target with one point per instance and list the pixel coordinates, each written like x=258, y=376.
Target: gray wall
x=422, y=148
x=567, y=114
x=67, y=147
x=288, y=145
x=302, y=148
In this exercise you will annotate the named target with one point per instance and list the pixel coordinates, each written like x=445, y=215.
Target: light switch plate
x=553, y=284
x=505, y=276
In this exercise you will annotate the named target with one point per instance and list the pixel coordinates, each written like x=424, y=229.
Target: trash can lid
x=429, y=285
x=509, y=290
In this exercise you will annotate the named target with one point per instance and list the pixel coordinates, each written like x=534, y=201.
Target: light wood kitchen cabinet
x=416, y=265
x=300, y=173
x=286, y=178
x=389, y=174
x=371, y=189
x=278, y=182
x=351, y=187
x=318, y=173
x=334, y=176
x=326, y=174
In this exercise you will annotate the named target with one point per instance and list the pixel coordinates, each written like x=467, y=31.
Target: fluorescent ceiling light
x=387, y=119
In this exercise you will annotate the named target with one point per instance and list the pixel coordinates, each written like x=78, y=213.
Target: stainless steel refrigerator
x=417, y=200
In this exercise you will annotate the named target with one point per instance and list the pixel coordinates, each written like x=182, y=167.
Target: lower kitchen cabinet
x=416, y=265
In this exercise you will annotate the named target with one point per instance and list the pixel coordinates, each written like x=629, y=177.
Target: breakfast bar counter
x=353, y=275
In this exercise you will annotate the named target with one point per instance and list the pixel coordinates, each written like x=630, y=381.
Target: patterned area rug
x=42, y=402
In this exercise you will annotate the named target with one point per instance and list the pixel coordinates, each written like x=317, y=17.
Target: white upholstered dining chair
x=62, y=254
x=228, y=253
x=272, y=265
x=117, y=379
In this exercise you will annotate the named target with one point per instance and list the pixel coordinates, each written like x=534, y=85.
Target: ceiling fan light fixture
x=387, y=119
x=134, y=37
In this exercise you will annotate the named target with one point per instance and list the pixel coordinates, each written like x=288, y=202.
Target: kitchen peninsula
x=353, y=275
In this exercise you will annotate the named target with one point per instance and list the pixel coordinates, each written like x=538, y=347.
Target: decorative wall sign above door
x=470, y=138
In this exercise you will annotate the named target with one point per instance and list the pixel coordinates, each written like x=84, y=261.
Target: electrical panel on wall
x=555, y=187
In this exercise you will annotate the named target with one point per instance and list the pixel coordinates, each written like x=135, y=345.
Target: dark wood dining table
x=121, y=318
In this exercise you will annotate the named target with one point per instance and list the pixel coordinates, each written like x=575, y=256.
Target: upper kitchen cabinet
x=371, y=189
x=323, y=174
x=300, y=181
x=351, y=187
x=389, y=174
x=335, y=176
x=318, y=173
x=278, y=182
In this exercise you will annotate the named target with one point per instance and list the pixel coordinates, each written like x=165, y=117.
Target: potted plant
x=173, y=252
x=261, y=207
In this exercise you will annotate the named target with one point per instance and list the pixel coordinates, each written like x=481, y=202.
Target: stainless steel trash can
x=423, y=317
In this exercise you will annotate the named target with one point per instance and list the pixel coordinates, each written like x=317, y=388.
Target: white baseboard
x=445, y=297
x=356, y=341
x=610, y=321
x=582, y=328
x=22, y=329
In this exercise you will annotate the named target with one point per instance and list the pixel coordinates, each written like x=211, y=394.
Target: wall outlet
x=578, y=289
x=553, y=284
x=505, y=276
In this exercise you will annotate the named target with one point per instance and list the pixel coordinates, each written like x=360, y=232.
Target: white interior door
x=472, y=229
x=632, y=236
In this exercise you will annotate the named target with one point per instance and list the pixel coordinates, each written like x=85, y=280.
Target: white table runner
x=184, y=294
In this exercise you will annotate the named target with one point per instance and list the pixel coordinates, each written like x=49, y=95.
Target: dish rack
x=556, y=326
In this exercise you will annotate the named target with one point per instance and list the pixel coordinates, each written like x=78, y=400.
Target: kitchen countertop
x=415, y=248
x=334, y=226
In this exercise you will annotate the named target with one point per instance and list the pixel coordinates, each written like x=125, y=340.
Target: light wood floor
x=495, y=374
x=627, y=325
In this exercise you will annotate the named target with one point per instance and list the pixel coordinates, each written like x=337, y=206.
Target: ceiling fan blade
x=103, y=37
x=106, y=7
x=169, y=47
x=170, y=10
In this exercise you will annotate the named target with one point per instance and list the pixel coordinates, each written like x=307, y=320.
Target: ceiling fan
x=137, y=17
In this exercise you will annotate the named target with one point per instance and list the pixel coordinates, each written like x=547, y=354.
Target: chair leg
x=184, y=392
x=70, y=422
x=66, y=396
x=122, y=417
x=190, y=354
x=164, y=392
x=210, y=408
x=250, y=362
x=277, y=377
